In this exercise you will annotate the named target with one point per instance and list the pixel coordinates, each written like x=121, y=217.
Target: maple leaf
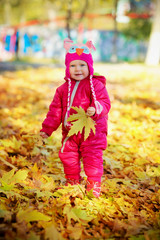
x=34, y=215
x=81, y=121
x=76, y=231
x=7, y=163
x=12, y=143
x=51, y=233
x=9, y=179
x=70, y=214
x=81, y=214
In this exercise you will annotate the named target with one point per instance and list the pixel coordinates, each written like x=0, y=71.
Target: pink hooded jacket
x=81, y=95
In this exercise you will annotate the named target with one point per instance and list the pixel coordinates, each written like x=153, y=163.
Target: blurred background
x=122, y=30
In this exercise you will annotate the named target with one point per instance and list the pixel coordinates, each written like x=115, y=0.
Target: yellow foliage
x=35, y=204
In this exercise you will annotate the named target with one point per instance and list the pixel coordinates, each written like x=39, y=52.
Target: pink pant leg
x=92, y=152
x=70, y=157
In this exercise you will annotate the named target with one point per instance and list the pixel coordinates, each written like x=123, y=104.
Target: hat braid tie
x=69, y=94
x=98, y=106
x=68, y=101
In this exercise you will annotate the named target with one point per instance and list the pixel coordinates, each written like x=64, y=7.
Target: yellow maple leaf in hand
x=80, y=121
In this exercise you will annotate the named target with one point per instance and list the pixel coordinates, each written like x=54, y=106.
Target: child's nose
x=78, y=67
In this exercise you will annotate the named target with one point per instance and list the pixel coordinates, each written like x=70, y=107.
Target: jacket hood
x=100, y=78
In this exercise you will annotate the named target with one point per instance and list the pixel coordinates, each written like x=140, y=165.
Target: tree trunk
x=7, y=12
x=114, y=58
x=153, y=53
x=69, y=17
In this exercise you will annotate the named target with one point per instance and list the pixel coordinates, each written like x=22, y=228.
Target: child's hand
x=44, y=135
x=91, y=111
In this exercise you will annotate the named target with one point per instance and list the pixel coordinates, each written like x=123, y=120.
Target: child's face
x=78, y=70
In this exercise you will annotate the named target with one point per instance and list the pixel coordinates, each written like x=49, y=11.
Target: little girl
x=81, y=89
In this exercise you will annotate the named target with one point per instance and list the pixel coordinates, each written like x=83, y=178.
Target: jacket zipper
x=65, y=119
x=72, y=98
x=64, y=142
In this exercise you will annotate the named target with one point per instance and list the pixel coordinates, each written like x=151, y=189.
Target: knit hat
x=80, y=52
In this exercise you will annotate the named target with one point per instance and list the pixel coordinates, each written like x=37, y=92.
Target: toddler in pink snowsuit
x=81, y=89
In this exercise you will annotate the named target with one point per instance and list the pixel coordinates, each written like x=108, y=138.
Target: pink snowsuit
x=74, y=148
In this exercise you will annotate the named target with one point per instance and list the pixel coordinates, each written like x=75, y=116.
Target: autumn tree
x=71, y=7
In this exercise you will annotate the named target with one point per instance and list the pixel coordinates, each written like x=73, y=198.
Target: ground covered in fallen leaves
x=31, y=206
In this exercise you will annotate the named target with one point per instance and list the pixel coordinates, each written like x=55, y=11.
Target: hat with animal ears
x=78, y=52
x=82, y=52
